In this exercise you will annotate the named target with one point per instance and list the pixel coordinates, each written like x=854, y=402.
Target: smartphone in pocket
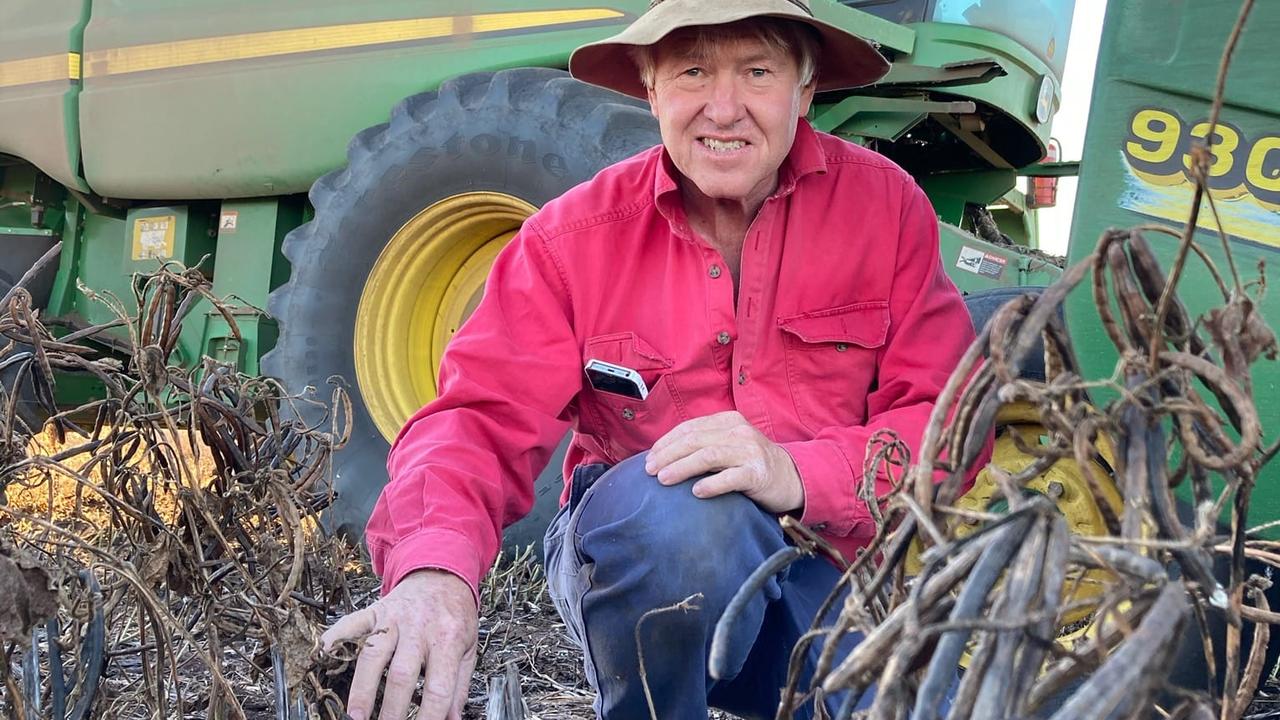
x=616, y=380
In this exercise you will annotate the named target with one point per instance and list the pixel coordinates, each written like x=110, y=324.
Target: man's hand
x=428, y=620
x=742, y=458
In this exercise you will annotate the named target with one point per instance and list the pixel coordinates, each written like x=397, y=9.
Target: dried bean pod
x=1129, y=677
x=971, y=601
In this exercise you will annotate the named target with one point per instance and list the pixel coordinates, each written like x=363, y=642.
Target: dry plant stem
x=862, y=661
x=1023, y=579
x=1128, y=678
x=1040, y=635
x=689, y=604
x=1199, y=166
x=861, y=593
x=1257, y=657
x=844, y=622
x=920, y=476
x=1135, y=609
x=972, y=597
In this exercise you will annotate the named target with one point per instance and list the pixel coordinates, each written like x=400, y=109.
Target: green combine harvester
x=346, y=172
x=351, y=170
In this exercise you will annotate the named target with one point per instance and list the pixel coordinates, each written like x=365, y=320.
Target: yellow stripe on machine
x=38, y=69
x=181, y=53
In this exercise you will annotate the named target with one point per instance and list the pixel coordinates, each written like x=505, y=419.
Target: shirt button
x=714, y=271
x=724, y=338
x=628, y=414
x=841, y=347
x=742, y=377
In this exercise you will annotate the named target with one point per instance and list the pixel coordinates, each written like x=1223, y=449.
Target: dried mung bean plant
x=160, y=546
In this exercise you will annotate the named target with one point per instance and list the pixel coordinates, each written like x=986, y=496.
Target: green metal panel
x=1023, y=142
x=272, y=124
x=140, y=243
x=950, y=192
x=249, y=235
x=974, y=264
x=1155, y=80
x=38, y=88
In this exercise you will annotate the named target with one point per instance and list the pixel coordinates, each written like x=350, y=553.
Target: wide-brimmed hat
x=847, y=60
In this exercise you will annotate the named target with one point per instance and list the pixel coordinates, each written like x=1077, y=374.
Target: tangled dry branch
x=173, y=534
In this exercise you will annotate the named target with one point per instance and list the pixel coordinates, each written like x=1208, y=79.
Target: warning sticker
x=153, y=237
x=227, y=223
x=981, y=263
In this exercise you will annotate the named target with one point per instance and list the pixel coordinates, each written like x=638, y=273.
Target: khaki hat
x=847, y=60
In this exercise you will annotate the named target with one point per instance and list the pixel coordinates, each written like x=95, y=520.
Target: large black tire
x=473, y=134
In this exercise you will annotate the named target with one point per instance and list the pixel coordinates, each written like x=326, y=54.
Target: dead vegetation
x=160, y=552
x=176, y=519
x=165, y=559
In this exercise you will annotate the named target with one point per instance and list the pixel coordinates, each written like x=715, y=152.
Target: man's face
x=728, y=119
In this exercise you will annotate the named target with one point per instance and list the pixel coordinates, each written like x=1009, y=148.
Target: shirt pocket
x=631, y=426
x=831, y=359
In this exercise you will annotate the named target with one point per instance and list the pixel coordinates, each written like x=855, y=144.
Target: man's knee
x=627, y=503
x=629, y=517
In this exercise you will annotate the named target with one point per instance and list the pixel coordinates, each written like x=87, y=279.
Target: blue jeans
x=624, y=545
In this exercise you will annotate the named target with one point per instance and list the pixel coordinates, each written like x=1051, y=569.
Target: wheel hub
x=426, y=282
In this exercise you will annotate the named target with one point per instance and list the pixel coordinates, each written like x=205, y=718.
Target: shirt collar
x=806, y=157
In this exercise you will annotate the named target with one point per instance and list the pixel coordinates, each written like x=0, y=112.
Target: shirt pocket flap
x=628, y=350
x=865, y=324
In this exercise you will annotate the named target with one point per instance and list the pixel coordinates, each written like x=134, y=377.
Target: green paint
x=837, y=117
x=249, y=236
x=24, y=231
x=950, y=192
x=1018, y=269
x=1018, y=136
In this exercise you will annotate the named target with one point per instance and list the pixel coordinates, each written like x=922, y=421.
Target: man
x=779, y=293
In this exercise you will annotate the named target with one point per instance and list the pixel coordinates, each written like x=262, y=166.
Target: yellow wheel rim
x=1066, y=484
x=426, y=282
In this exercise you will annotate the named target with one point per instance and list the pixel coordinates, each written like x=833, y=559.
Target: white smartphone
x=616, y=379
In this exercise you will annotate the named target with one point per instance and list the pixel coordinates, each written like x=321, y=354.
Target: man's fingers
x=463, y=689
x=402, y=680
x=377, y=652
x=736, y=479
x=688, y=437
x=443, y=664
x=349, y=627
x=697, y=426
x=706, y=460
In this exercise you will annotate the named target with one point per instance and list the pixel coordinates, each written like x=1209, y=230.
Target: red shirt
x=844, y=323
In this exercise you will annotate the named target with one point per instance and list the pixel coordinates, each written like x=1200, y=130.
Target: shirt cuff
x=433, y=549
x=830, y=503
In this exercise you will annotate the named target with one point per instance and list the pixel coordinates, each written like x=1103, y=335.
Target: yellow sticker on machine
x=1243, y=175
x=153, y=237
